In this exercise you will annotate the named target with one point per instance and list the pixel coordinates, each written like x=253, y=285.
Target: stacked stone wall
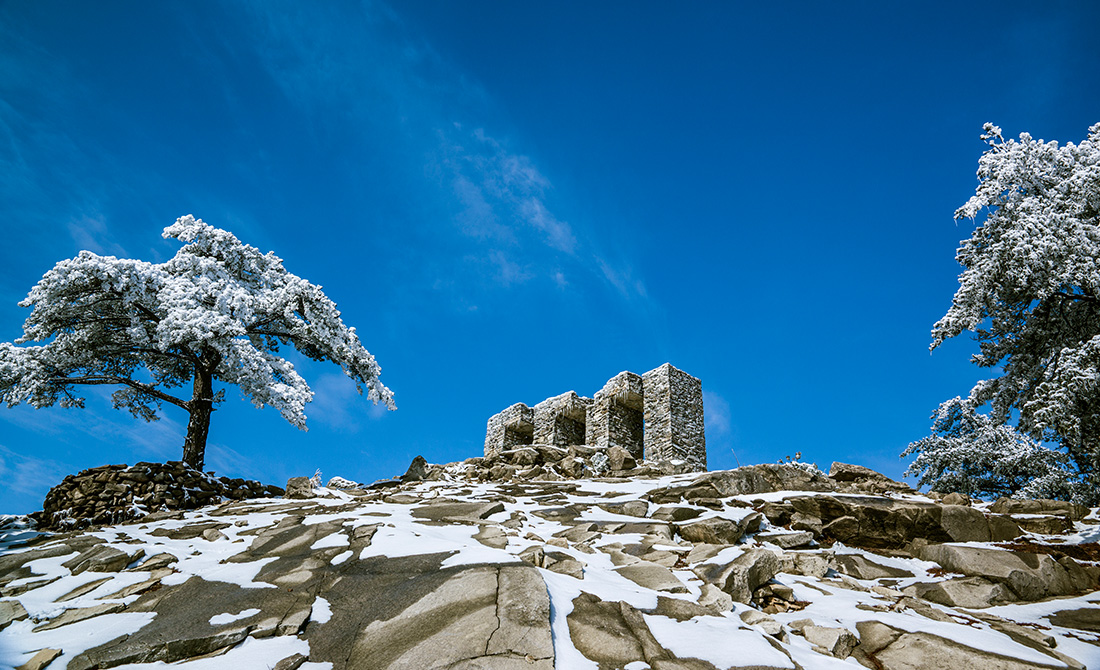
x=561, y=420
x=674, y=416
x=513, y=427
x=615, y=418
x=115, y=493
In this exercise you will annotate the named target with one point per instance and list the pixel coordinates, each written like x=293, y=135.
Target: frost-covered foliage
x=218, y=311
x=969, y=453
x=1031, y=289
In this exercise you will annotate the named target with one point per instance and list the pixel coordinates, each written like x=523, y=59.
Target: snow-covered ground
x=580, y=528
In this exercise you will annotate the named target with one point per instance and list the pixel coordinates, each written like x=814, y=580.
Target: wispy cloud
x=26, y=474
x=503, y=192
x=92, y=233
x=338, y=406
x=157, y=440
x=622, y=278
x=716, y=415
x=396, y=85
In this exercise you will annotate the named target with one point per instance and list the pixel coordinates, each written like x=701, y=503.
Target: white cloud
x=716, y=414
x=502, y=193
x=337, y=405
x=91, y=233
x=622, y=278
x=28, y=474
x=509, y=272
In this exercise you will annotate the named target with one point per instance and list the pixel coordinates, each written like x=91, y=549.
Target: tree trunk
x=198, y=427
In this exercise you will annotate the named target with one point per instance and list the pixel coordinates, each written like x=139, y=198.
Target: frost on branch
x=969, y=453
x=1030, y=289
x=218, y=311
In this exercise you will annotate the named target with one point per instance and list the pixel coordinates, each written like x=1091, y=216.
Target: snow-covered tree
x=970, y=453
x=1030, y=289
x=218, y=311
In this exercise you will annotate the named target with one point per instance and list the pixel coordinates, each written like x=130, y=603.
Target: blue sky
x=512, y=200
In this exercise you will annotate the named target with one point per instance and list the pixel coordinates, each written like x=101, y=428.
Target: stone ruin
x=656, y=417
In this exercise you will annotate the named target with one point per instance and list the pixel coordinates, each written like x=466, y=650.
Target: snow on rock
x=580, y=574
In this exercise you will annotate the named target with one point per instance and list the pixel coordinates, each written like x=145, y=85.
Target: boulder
x=786, y=540
x=1069, y=510
x=955, y=499
x=847, y=472
x=1029, y=576
x=837, y=642
x=100, y=558
x=441, y=509
x=1044, y=524
x=291, y=662
x=861, y=567
x=815, y=564
x=763, y=622
x=299, y=488
x=741, y=576
x=964, y=524
x=877, y=522
x=182, y=628
x=613, y=634
x=652, y=576
x=638, y=508
x=676, y=513
x=858, y=479
x=714, y=530
x=969, y=592
x=764, y=478
x=78, y=614
x=620, y=459
x=342, y=483
x=882, y=646
x=417, y=471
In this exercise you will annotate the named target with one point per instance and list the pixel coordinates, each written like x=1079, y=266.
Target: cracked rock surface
x=762, y=567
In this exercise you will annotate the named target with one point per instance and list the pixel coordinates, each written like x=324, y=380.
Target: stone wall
x=657, y=416
x=560, y=420
x=616, y=415
x=674, y=416
x=115, y=493
x=513, y=427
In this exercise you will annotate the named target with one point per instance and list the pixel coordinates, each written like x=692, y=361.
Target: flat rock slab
x=892, y=649
x=11, y=610
x=41, y=659
x=182, y=627
x=861, y=567
x=438, y=511
x=652, y=576
x=79, y=614
x=412, y=614
x=188, y=532
x=1087, y=618
x=99, y=558
x=786, y=540
x=12, y=566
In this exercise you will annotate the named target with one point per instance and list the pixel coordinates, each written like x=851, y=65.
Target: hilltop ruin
x=656, y=417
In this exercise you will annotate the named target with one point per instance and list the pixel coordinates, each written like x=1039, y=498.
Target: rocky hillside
x=759, y=567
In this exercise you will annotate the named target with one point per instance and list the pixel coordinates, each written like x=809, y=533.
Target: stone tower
x=657, y=416
x=674, y=416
